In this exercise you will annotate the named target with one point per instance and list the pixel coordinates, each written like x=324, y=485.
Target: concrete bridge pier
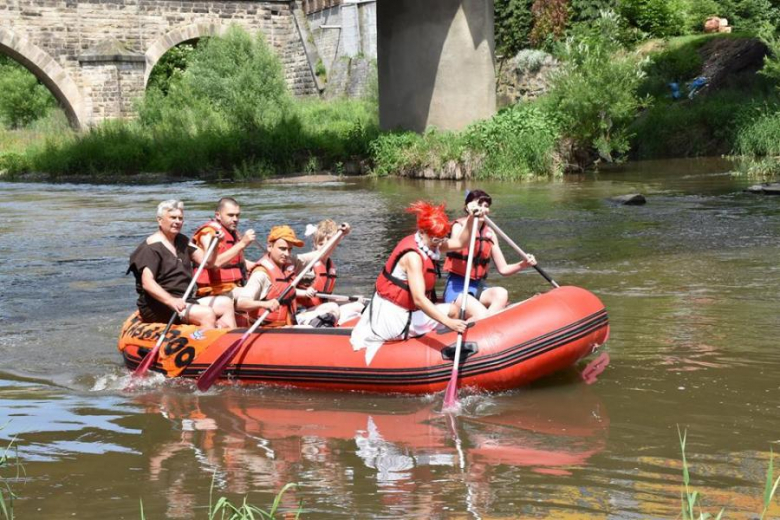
x=436, y=62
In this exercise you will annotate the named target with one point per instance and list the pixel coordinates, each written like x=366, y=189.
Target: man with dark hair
x=230, y=267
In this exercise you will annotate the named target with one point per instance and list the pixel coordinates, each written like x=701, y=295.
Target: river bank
x=604, y=103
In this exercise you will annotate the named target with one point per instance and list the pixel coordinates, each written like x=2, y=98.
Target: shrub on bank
x=520, y=141
x=760, y=137
x=594, y=95
x=701, y=127
x=228, y=114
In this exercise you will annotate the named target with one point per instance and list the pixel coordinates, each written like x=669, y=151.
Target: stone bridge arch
x=179, y=35
x=48, y=71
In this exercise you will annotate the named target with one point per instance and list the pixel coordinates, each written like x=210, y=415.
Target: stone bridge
x=435, y=58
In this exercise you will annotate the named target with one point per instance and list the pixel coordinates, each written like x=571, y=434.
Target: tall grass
x=690, y=500
x=223, y=509
x=228, y=115
x=7, y=495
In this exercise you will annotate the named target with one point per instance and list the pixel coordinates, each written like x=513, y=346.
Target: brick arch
x=173, y=38
x=48, y=71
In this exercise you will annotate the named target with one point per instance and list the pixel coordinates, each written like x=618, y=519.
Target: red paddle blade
x=147, y=362
x=213, y=372
x=451, y=394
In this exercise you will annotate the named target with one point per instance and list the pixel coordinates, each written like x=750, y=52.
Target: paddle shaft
x=151, y=357
x=519, y=251
x=338, y=297
x=450, y=395
x=213, y=372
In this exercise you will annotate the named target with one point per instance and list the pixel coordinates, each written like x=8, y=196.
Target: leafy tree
x=585, y=10
x=595, y=93
x=513, y=23
x=235, y=81
x=659, y=18
x=171, y=66
x=759, y=16
x=23, y=99
x=241, y=77
x=697, y=11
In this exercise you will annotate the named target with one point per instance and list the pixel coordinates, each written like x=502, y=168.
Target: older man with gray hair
x=162, y=266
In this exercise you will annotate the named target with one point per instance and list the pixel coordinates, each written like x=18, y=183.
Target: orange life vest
x=396, y=290
x=280, y=281
x=234, y=272
x=324, y=281
x=457, y=260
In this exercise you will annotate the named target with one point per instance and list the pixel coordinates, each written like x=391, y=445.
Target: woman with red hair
x=403, y=304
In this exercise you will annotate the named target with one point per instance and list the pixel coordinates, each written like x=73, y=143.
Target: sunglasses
x=437, y=240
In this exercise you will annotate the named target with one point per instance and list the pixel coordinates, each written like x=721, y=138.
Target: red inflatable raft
x=524, y=342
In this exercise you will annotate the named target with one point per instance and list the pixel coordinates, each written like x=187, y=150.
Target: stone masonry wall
x=66, y=29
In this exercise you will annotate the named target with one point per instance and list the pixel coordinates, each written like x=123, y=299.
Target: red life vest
x=457, y=260
x=280, y=280
x=396, y=290
x=324, y=282
x=234, y=271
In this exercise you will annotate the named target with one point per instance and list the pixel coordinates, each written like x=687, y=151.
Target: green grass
x=325, y=132
x=223, y=509
x=7, y=495
x=690, y=500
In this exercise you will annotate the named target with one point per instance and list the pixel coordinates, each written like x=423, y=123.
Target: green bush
x=697, y=11
x=705, y=126
x=241, y=78
x=234, y=120
x=659, y=18
x=585, y=10
x=513, y=23
x=171, y=66
x=754, y=16
x=595, y=93
x=230, y=81
x=519, y=141
x=760, y=137
x=403, y=151
x=23, y=99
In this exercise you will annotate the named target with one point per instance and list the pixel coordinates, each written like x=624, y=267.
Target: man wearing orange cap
x=273, y=273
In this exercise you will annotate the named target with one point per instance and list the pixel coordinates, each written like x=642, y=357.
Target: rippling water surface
x=690, y=280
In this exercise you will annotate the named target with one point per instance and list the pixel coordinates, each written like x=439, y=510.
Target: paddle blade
x=213, y=372
x=147, y=362
x=451, y=394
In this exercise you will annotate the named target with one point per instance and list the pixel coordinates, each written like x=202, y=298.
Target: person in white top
x=403, y=304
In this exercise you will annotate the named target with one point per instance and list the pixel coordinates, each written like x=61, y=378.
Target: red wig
x=431, y=218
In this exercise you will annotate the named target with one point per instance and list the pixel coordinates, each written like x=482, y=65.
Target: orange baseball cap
x=285, y=233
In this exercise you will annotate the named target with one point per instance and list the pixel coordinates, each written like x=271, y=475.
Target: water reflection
x=396, y=446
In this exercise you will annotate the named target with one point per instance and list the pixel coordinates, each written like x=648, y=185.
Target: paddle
x=153, y=354
x=519, y=251
x=450, y=395
x=339, y=297
x=213, y=372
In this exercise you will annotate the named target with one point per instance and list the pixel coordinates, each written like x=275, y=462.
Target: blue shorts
x=454, y=287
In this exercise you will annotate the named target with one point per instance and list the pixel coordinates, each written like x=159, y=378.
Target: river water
x=690, y=280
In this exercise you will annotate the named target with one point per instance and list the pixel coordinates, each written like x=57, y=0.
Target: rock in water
x=767, y=188
x=631, y=199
